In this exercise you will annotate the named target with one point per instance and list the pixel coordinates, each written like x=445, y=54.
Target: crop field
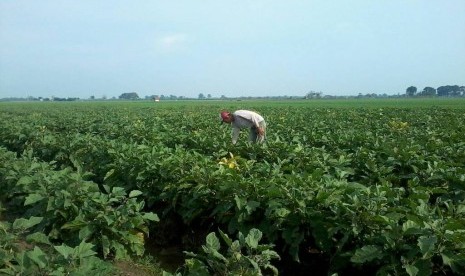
x=346, y=187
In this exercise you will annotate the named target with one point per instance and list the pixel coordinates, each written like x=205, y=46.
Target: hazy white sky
x=84, y=48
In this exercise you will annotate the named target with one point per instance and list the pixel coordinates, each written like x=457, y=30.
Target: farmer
x=245, y=119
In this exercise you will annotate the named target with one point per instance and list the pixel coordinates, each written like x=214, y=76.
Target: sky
x=70, y=48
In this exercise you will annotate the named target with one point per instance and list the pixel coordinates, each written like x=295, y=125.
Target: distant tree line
x=442, y=91
x=411, y=91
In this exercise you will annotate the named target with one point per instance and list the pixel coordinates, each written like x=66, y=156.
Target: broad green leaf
x=86, y=232
x=38, y=237
x=411, y=270
x=197, y=268
x=25, y=180
x=120, y=251
x=447, y=258
x=135, y=193
x=455, y=224
x=410, y=227
x=84, y=250
x=33, y=198
x=424, y=266
x=253, y=238
x=64, y=250
x=366, y=254
x=282, y=212
x=118, y=191
x=22, y=259
x=151, y=216
x=426, y=245
x=109, y=220
x=106, y=187
x=251, y=206
x=455, y=261
x=240, y=202
x=461, y=208
x=23, y=223
x=38, y=256
x=212, y=241
x=105, y=246
x=235, y=246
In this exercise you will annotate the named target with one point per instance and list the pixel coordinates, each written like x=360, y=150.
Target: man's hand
x=260, y=131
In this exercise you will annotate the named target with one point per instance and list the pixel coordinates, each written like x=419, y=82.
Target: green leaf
x=7, y=271
x=447, y=258
x=253, y=238
x=366, y=254
x=25, y=180
x=33, y=198
x=85, y=232
x=120, y=251
x=105, y=246
x=239, y=202
x=410, y=227
x=38, y=237
x=118, y=191
x=254, y=264
x=411, y=270
x=135, y=193
x=282, y=212
x=64, y=250
x=75, y=224
x=197, y=267
x=109, y=220
x=23, y=223
x=38, y=256
x=454, y=224
x=151, y=216
x=426, y=245
x=108, y=174
x=235, y=246
x=251, y=206
x=225, y=238
x=424, y=266
x=84, y=250
x=212, y=241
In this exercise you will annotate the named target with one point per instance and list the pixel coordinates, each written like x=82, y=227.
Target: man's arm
x=235, y=134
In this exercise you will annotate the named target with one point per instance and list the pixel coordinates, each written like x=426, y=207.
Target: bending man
x=245, y=119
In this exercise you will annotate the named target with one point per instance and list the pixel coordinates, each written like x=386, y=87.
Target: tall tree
x=450, y=90
x=411, y=91
x=428, y=91
x=129, y=96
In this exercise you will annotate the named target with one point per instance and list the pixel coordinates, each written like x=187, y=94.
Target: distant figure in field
x=245, y=119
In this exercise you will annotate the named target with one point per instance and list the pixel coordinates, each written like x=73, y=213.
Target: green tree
x=411, y=91
x=129, y=96
x=201, y=96
x=313, y=95
x=428, y=91
x=451, y=90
